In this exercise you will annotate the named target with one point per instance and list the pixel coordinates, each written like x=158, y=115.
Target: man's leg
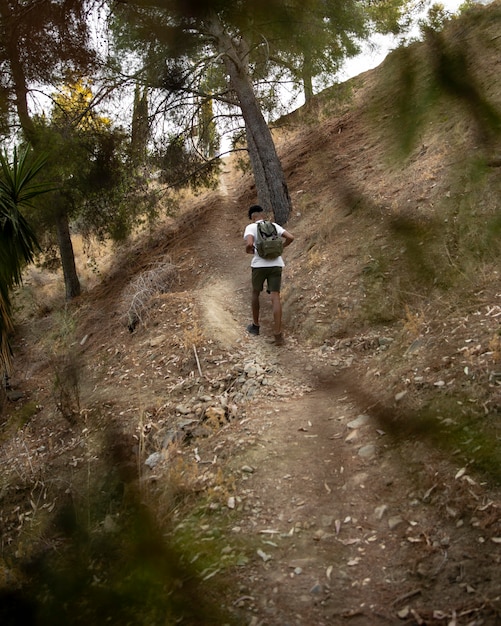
x=277, y=312
x=274, y=285
x=258, y=278
x=255, y=307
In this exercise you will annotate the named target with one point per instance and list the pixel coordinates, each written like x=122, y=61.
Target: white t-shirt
x=258, y=261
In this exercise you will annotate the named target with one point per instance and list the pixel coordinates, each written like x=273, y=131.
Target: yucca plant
x=18, y=242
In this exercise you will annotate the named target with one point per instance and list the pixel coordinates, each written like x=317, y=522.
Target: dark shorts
x=273, y=276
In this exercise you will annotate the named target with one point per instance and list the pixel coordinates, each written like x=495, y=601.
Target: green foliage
x=207, y=135
x=457, y=424
x=25, y=413
x=441, y=254
x=41, y=43
x=104, y=559
x=181, y=166
x=279, y=41
x=18, y=243
x=435, y=20
x=453, y=77
x=101, y=187
x=426, y=78
x=438, y=94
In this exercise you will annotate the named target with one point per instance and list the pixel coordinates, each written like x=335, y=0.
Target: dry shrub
x=182, y=476
x=137, y=296
x=414, y=322
x=495, y=348
x=192, y=336
x=39, y=295
x=66, y=369
x=181, y=481
x=315, y=259
x=60, y=352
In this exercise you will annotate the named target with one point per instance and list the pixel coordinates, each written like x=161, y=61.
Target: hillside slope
x=351, y=476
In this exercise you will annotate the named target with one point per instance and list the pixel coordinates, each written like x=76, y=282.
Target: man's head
x=254, y=210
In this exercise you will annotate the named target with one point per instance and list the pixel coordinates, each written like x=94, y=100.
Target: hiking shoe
x=278, y=340
x=253, y=329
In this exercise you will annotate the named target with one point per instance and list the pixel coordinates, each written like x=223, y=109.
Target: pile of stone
x=199, y=406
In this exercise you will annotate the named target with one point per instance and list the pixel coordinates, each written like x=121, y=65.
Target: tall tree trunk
x=10, y=42
x=71, y=281
x=307, y=76
x=140, y=128
x=263, y=195
x=268, y=173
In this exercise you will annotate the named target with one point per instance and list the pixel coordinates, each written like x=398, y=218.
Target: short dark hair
x=255, y=208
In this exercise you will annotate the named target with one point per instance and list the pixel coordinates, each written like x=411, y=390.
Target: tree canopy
x=240, y=46
x=200, y=61
x=41, y=40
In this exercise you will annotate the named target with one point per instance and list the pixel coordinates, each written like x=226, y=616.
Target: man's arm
x=249, y=244
x=289, y=238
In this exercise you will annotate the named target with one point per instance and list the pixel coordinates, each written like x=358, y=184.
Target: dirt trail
x=219, y=320
x=305, y=501
x=341, y=517
x=279, y=493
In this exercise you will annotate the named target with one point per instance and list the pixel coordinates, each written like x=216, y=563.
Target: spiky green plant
x=18, y=242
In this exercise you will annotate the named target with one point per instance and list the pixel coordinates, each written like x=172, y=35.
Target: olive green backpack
x=269, y=245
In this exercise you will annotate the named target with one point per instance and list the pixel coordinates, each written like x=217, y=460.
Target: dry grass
x=414, y=322
x=495, y=348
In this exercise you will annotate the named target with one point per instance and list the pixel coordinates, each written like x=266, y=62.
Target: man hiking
x=265, y=269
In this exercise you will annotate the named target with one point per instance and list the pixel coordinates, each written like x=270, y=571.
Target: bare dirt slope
x=307, y=484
